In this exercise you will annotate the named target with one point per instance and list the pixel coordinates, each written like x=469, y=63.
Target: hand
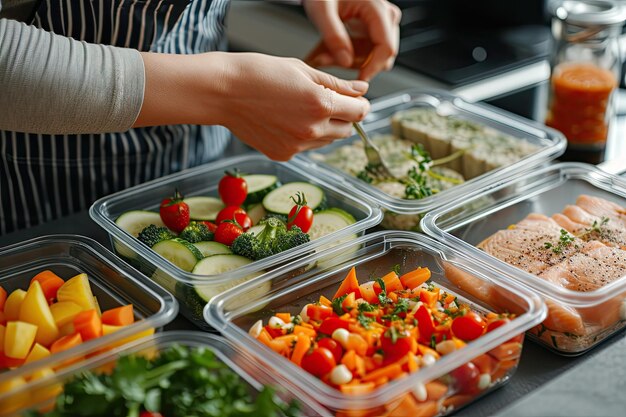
x=279, y=106
x=371, y=51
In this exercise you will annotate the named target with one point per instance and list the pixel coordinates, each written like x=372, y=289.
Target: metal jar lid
x=589, y=13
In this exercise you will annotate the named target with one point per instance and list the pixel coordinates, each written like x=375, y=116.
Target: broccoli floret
x=244, y=245
x=152, y=234
x=292, y=238
x=281, y=217
x=273, y=239
x=196, y=232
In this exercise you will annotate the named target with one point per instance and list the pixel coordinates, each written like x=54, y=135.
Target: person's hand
x=373, y=44
x=279, y=106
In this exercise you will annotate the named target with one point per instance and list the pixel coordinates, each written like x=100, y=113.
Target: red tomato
x=318, y=312
x=466, y=378
x=227, y=232
x=275, y=332
x=319, y=362
x=425, y=324
x=496, y=323
x=175, y=212
x=331, y=324
x=212, y=226
x=300, y=215
x=468, y=327
x=332, y=345
x=403, y=344
x=150, y=414
x=233, y=189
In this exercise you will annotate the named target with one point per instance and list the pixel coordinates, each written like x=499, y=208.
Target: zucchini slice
x=212, y=248
x=279, y=200
x=179, y=252
x=329, y=221
x=259, y=186
x=204, y=208
x=135, y=221
x=219, y=264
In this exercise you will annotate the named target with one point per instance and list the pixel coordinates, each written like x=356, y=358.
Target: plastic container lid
x=551, y=144
x=291, y=289
x=465, y=223
x=112, y=281
x=234, y=358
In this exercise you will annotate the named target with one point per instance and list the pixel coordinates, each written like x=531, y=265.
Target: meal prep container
x=467, y=222
x=376, y=254
x=112, y=281
x=42, y=393
x=405, y=214
x=203, y=181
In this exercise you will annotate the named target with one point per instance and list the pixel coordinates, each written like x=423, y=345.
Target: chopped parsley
x=365, y=306
x=336, y=304
x=364, y=321
x=396, y=269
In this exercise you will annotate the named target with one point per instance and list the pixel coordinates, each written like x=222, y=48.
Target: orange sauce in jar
x=580, y=98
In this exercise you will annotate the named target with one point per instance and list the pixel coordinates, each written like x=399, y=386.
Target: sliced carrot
x=410, y=407
x=415, y=278
x=88, y=324
x=411, y=362
x=503, y=368
x=303, y=344
x=381, y=381
x=120, y=316
x=485, y=364
x=357, y=389
x=279, y=346
x=393, y=297
x=507, y=351
x=3, y=298
x=390, y=371
x=264, y=337
x=349, y=359
x=370, y=363
x=368, y=293
x=350, y=284
x=66, y=342
x=429, y=298
x=360, y=366
x=423, y=349
x=298, y=329
x=392, y=283
x=357, y=343
x=285, y=317
x=458, y=400
x=50, y=283
x=325, y=301
x=436, y=390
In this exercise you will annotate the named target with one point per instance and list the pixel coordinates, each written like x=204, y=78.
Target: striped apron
x=45, y=177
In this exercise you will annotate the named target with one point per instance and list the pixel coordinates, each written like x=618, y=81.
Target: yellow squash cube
x=64, y=312
x=37, y=352
x=19, y=336
x=13, y=304
x=77, y=290
x=35, y=310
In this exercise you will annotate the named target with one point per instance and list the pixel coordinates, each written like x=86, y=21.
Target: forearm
x=51, y=84
x=184, y=89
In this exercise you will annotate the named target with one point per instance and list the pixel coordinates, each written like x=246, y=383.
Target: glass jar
x=586, y=65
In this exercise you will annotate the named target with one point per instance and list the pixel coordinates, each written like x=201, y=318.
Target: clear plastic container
x=41, y=394
x=405, y=214
x=112, y=281
x=547, y=191
x=203, y=181
x=377, y=253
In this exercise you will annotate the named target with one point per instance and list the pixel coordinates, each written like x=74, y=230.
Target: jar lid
x=589, y=12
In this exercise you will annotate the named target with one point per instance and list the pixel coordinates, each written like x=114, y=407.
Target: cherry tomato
x=150, y=414
x=332, y=345
x=319, y=362
x=496, y=323
x=233, y=189
x=425, y=324
x=300, y=215
x=175, y=212
x=395, y=349
x=275, y=332
x=468, y=327
x=466, y=378
x=331, y=324
x=234, y=213
x=212, y=226
x=227, y=232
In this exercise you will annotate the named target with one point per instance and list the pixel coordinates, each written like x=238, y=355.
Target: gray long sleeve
x=56, y=85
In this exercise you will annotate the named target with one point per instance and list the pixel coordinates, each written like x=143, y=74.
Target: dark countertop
x=544, y=384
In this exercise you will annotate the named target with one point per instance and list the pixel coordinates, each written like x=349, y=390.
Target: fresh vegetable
x=372, y=333
x=234, y=213
x=179, y=382
x=259, y=186
x=175, y=212
x=203, y=208
x=196, y=232
x=300, y=215
x=329, y=221
x=273, y=239
x=46, y=321
x=279, y=200
x=233, y=189
x=212, y=248
x=135, y=221
x=152, y=234
x=227, y=232
x=179, y=252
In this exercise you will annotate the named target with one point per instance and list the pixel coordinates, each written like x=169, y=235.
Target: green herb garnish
x=337, y=305
x=364, y=320
x=565, y=240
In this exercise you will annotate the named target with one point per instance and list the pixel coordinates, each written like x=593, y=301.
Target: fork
x=376, y=166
